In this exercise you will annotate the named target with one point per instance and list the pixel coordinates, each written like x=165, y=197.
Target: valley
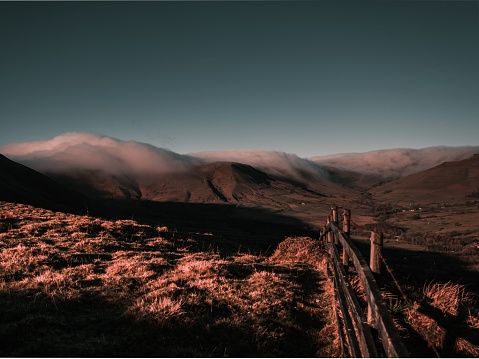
x=220, y=249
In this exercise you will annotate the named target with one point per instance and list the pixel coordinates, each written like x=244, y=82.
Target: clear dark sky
x=310, y=78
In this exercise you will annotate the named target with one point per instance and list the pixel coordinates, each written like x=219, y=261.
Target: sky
x=310, y=78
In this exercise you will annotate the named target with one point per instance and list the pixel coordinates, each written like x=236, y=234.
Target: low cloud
x=274, y=162
x=97, y=153
x=91, y=152
x=396, y=163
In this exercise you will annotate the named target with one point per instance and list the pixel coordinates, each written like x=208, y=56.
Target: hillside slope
x=102, y=166
x=395, y=163
x=21, y=184
x=226, y=182
x=454, y=181
x=79, y=286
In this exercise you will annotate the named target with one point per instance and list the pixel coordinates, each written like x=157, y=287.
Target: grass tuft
x=448, y=297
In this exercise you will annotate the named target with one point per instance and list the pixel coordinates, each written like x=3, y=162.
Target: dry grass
x=425, y=326
x=448, y=297
x=473, y=320
x=82, y=286
x=454, y=303
x=299, y=249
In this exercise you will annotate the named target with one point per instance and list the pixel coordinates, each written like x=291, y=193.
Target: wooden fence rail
x=357, y=326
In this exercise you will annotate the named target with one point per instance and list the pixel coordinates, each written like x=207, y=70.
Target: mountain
x=216, y=182
x=21, y=184
x=98, y=183
x=352, y=179
x=287, y=167
x=102, y=166
x=394, y=163
x=279, y=164
x=224, y=182
x=96, y=153
x=212, y=182
x=454, y=181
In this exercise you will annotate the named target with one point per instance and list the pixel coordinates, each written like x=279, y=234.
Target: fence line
x=358, y=327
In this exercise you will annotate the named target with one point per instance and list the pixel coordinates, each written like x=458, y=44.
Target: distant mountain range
x=101, y=166
x=396, y=163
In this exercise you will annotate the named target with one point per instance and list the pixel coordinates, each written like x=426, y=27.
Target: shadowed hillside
x=217, y=182
x=21, y=184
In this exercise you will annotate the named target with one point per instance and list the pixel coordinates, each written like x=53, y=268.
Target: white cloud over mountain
x=396, y=163
x=96, y=152
x=85, y=151
x=274, y=162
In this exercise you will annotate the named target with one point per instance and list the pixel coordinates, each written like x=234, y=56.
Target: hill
x=82, y=286
x=216, y=182
x=212, y=182
x=454, y=181
x=21, y=184
x=98, y=183
x=101, y=166
x=395, y=163
x=225, y=182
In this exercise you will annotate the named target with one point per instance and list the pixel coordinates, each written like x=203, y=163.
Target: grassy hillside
x=83, y=286
x=455, y=181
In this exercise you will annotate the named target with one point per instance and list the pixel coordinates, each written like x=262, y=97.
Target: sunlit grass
x=82, y=286
x=454, y=303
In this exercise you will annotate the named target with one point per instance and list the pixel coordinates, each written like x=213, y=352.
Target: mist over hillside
x=396, y=163
x=277, y=163
x=93, y=152
x=73, y=152
x=102, y=165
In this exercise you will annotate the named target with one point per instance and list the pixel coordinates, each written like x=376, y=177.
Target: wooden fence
x=362, y=332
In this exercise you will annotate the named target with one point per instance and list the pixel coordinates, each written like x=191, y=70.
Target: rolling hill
x=21, y=184
x=105, y=167
x=224, y=182
x=102, y=166
x=216, y=182
x=454, y=181
x=395, y=163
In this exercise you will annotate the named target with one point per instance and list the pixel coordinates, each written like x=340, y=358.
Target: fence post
x=375, y=265
x=347, y=221
x=376, y=252
x=334, y=218
x=331, y=241
x=346, y=229
x=334, y=213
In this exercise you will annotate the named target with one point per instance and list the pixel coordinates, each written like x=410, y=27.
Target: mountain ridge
x=449, y=181
x=102, y=166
